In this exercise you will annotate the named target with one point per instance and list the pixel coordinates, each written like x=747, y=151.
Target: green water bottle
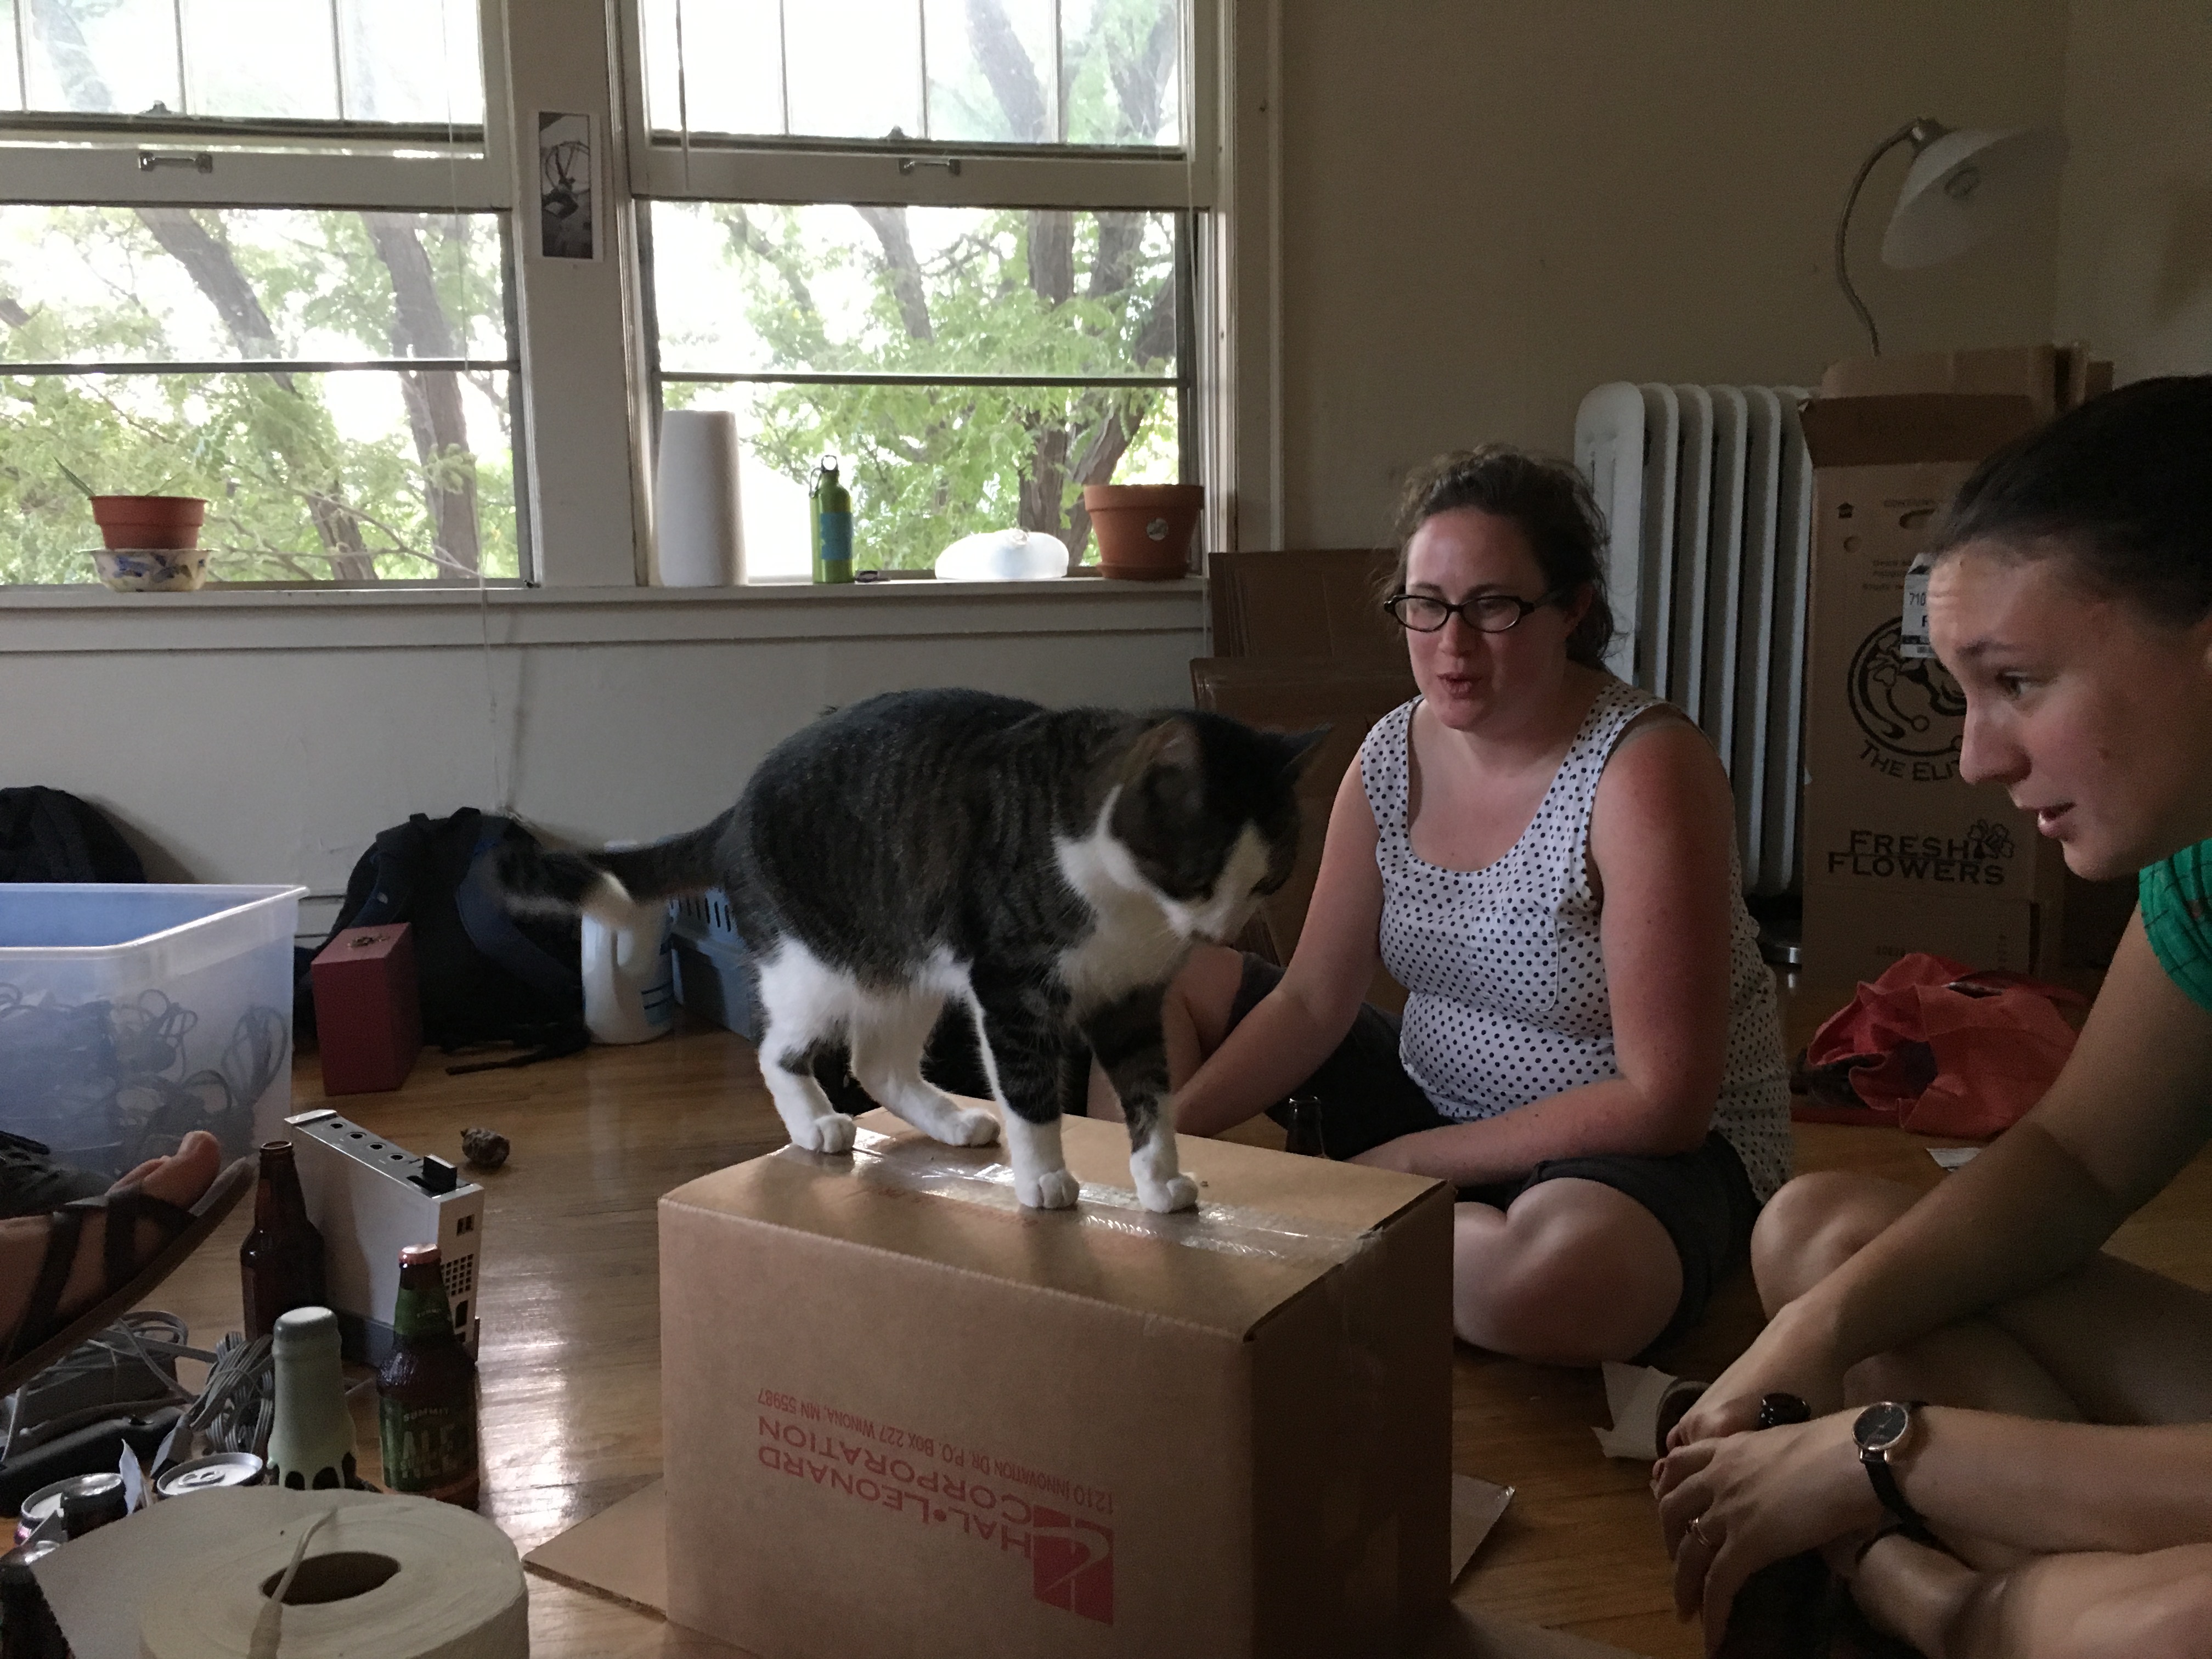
x=831, y=513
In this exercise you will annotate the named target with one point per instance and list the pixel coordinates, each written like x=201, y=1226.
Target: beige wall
x=1490, y=208
x=2135, y=247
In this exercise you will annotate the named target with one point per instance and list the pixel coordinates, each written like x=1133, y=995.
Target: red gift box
x=368, y=1016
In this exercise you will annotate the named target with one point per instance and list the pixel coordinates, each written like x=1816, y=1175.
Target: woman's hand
x=1788, y=1356
x=1731, y=1506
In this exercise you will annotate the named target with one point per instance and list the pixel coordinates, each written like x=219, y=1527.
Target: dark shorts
x=1701, y=1197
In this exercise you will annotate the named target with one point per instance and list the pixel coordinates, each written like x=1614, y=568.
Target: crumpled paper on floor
x=1634, y=1394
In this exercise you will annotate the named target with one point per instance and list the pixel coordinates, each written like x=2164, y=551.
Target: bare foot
x=180, y=1178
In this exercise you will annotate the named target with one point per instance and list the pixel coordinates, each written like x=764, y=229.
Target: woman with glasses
x=1544, y=858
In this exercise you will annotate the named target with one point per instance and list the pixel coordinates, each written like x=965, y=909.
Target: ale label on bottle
x=427, y=1447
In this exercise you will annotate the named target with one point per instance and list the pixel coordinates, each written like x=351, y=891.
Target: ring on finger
x=1698, y=1532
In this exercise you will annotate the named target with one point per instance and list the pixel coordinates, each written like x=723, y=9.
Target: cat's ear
x=1172, y=744
x=1301, y=749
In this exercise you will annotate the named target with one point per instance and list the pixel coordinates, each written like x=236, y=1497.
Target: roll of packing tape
x=396, y=1577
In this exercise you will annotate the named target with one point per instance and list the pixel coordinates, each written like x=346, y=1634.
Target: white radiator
x=1708, y=493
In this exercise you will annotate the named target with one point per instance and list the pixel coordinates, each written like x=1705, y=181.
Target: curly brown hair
x=1546, y=500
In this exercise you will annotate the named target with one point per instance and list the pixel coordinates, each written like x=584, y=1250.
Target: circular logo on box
x=1910, y=706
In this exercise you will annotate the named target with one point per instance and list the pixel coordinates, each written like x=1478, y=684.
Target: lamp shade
x=1966, y=187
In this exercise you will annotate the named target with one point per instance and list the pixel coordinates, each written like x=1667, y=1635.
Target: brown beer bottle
x=1302, y=1134
x=427, y=1388
x=280, y=1265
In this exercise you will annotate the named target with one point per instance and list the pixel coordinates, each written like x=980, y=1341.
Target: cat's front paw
x=833, y=1133
x=972, y=1128
x=1165, y=1197
x=1053, y=1189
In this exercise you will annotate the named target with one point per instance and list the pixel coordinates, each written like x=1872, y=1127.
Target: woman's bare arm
x=1298, y=1024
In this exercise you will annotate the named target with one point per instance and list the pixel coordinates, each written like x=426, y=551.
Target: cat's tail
x=608, y=884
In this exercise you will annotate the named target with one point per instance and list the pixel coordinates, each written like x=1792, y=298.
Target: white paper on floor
x=1953, y=1158
x=1633, y=1395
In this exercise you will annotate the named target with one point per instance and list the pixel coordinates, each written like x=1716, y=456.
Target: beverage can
x=220, y=1469
x=44, y=1503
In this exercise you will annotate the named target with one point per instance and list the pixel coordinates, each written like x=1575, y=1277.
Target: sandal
x=38, y=1340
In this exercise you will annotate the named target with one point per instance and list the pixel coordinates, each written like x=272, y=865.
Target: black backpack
x=49, y=834
x=485, y=975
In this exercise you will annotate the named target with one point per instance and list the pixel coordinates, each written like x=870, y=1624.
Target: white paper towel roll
x=702, y=541
x=188, y=1575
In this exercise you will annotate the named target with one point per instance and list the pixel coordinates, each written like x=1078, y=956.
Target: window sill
x=92, y=619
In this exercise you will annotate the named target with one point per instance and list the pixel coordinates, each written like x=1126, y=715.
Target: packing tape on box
x=397, y=1577
x=925, y=1166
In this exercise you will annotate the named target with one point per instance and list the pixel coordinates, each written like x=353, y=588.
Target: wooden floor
x=571, y=1356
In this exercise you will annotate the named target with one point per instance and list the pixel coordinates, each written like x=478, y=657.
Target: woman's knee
x=1205, y=993
x=1814, y=1225
x=1567, y=1288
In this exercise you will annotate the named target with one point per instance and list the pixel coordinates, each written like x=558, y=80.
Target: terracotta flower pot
x=149, y=521
x=1144, y=530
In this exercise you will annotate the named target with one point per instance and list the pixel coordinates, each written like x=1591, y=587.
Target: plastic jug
x=630, y=977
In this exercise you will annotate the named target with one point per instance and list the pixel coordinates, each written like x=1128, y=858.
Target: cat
x=1050, y=870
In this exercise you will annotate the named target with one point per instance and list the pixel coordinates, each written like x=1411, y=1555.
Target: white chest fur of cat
x=1044, y=872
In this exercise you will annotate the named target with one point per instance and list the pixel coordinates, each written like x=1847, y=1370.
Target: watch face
x=1879, y=1427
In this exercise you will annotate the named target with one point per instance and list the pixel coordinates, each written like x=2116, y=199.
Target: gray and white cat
x=1049, y=869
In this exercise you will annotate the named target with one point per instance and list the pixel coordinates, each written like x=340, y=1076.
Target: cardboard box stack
x=904, y=1415
x=1901, y=853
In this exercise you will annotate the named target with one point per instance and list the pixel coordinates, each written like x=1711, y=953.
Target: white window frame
x=805, y=171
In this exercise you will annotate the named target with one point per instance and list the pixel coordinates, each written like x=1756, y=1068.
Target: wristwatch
x=1884, y=1432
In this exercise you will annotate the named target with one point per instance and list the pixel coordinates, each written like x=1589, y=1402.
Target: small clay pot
x=149, y=521
x=1144, y=530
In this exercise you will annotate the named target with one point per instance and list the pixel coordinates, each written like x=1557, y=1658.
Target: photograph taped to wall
x=564, y=186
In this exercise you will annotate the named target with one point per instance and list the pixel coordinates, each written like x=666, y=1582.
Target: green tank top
x=2176, y=897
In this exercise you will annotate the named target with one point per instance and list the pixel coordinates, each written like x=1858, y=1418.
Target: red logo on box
x=1072, y=1564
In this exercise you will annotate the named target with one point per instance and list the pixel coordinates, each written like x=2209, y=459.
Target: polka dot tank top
x=1506, y=999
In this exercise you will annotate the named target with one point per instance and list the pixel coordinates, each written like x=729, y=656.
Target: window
x=952, y=242
x=338, y=379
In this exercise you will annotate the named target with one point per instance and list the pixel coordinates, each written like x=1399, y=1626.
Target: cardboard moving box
x=1901, y=853
x=905, y=1416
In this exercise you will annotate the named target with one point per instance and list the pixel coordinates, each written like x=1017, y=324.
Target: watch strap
x=1891, y=1497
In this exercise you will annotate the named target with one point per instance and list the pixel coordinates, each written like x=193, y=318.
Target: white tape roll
x=397, y=1577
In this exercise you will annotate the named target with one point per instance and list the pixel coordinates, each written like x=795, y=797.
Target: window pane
x=395, y=60
x=734, y=50
x=747, y=289
x=289, y=71
x=100, y=55
x=998, y=71
x=1121, y=65
x=356, y=474
x=11, y=64
x=991, y=77
x=929, y=464
x=410, y=60
x=854, y=67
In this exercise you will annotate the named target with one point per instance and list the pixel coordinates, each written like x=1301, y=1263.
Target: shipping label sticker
x=1908, y=709
x=937, y=1482
x=1912, y=627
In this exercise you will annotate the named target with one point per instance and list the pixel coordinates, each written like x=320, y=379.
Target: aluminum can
x=209, y=1473
x=46, y=1503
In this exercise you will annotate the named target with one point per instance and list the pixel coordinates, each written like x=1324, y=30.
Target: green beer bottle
x=426, y=1390
x=829, y=511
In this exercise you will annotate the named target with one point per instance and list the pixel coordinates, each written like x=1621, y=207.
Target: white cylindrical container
x=311, y=1441
x=697, y=529
x=630, y=977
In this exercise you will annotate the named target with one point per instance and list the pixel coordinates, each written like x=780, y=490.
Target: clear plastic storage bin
x=130, y=1015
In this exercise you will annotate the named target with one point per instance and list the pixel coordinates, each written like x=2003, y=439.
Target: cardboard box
x=905, y=1416
x=1900, y=853
x=2053, y=378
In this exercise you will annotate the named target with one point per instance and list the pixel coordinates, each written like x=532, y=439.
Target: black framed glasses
x=1488, y=613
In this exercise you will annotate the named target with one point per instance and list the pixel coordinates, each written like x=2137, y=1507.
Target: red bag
x=1938, y=1049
